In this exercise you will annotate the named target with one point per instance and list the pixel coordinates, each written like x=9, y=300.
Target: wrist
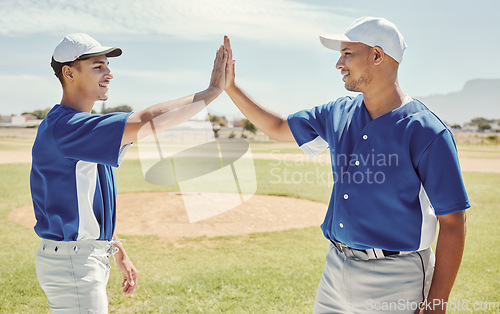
x=210, y=94
x=231, y=88
x=117, y=243
x=120, y=254
x=214, y=91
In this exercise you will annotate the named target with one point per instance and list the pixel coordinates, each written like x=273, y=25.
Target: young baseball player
x=72, y=180
x=395, y=170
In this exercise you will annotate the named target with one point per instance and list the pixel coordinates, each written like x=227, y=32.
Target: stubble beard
x=364, y=80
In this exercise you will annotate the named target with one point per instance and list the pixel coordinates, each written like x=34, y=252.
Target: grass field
x=261, y=273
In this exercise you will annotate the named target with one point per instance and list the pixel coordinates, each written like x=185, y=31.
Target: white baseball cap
x=371, y=31
x=79, y=46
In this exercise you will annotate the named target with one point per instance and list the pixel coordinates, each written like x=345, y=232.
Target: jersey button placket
x=341, y=224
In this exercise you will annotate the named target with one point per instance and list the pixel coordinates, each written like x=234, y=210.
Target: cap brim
x=333, y=41
x=108, y=52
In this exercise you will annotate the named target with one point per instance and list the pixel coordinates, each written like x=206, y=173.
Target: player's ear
x=378, y=55
x=67, y=73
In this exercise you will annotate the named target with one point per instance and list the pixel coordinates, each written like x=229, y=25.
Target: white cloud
x=277, y=20
x=253, y=24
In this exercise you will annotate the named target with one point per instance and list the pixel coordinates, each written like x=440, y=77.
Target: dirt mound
x=163, y=214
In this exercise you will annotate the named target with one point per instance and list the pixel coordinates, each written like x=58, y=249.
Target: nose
x=340, y=64
x=109, y=75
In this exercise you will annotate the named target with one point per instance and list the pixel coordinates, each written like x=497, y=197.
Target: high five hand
x=229, y=64
x=217, y=81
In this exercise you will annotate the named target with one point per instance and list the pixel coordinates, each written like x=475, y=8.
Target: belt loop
x=348, y=252
x=379, y=253
x=371, y=254
x=351, y=251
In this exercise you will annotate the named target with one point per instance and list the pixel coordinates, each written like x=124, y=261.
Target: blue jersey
x=392, y=175
x=72, y=179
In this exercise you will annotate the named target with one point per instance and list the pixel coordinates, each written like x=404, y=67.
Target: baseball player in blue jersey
x=396, y=177
x=72, y=180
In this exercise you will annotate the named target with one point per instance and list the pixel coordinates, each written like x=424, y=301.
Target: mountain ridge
x=477, y=98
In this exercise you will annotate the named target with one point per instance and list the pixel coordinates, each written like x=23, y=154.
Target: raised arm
x=171, y=113
x=268, y=121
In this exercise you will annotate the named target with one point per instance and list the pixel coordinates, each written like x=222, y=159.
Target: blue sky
x=169, y=46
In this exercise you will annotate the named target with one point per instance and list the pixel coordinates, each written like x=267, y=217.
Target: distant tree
x=215, y=119
x=248, y=126
x=40, y=114
x=484, y=126
x=456, y=126
x=478, y=121
x=122, y=108
x=216, y=129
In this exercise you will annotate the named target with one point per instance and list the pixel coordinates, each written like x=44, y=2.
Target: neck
x=383, y=99
x=76, y=102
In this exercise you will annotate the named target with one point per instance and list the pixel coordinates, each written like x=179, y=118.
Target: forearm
x=121, y=251
x=269, y=122
x=166, y=114
x=449, y=251
x=126, y=267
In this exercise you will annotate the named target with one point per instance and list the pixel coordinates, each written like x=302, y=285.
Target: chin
x=350, y=88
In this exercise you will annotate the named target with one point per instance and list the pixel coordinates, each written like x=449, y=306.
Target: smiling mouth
x=104, y=84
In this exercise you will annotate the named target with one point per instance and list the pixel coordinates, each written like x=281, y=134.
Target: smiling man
x=72, y=179
x=380, y=230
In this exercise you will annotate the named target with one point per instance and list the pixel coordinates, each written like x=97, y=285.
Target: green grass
x=479, y=275
x=265, y=272
x=19, y=289
x=256, y=273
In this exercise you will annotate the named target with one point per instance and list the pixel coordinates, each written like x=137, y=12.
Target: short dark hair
x=59, y=74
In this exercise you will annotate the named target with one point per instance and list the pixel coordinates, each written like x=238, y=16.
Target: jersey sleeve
x=309, y=128
x=91, y=137
x=439, y=171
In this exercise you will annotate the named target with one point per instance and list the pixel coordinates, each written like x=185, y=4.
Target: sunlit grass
x=265, y=272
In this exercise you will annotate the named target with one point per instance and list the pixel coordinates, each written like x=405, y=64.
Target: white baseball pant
x=392, y=284
x=74, y=275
